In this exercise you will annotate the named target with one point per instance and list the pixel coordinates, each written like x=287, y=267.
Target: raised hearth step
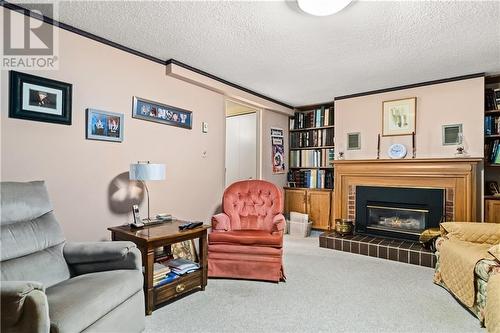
x=397, y=250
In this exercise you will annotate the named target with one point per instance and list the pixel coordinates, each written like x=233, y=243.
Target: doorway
x=242, y=142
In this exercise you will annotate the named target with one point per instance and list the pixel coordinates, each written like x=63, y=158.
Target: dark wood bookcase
x=312, y=150
x=491, y=140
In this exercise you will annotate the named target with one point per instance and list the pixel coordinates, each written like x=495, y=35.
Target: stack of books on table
x=160, y=273
x=182, y=266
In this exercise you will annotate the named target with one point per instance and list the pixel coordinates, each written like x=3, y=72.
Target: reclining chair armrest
x=279, y=223
x=102, y=256
x=220, y=222
x=24, y=307
x=488, y=233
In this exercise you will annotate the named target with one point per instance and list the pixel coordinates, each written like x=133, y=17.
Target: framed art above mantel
x=399, y=116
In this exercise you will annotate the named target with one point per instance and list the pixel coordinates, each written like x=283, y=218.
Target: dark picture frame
x=39, y=99
x=104, y=125
x=161, y=113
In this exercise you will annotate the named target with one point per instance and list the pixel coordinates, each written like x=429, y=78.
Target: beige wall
x=437, y=105
x=273, y=119
x=79, y=171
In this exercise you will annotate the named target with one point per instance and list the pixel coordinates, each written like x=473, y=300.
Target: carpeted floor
x=326, y=291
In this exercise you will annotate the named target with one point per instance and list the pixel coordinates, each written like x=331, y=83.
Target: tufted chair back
x=252, y=204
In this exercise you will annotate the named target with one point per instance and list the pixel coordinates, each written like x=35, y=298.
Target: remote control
x=184, y=226
x=194, y=225
x=190, y=225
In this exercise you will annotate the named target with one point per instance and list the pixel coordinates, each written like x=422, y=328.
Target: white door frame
x=258, y=113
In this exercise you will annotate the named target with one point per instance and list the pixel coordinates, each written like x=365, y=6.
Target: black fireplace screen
x=394, y=212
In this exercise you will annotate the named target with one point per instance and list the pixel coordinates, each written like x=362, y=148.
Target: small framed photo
x=399, y=116
x=161, y=113
x=39, y=99
x=103, y=125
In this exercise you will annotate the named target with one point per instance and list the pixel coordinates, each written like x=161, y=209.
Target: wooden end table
x=150, y=237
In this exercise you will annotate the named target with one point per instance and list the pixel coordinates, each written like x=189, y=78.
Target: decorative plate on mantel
x=397, y=151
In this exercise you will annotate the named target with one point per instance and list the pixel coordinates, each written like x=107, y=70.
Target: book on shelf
x=160, y=269
x=318, y=117
x=182, y=266
x=492, y=151
x=489, y=99
x=317, y=158
x=492, y=99
x=312, y=138
x=497, y=98
x=492, y=125
x=160, y=272
x=166, y=279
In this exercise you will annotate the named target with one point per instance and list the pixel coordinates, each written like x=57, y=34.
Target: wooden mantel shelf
x=413, y=160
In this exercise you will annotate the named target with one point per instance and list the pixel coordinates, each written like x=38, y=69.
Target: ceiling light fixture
x=322, y=7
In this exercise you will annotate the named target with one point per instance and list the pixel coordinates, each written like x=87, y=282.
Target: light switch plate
x=204, y=127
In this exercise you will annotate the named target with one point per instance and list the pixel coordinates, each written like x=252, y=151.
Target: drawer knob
x=180, y=287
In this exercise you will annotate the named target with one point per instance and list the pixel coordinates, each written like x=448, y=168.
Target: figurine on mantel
x=461, y=152
x=461, y=147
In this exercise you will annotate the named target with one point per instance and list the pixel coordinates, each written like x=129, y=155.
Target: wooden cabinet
x=492, y=211
x=314, y=202
x=295, y=201
x=318, y=208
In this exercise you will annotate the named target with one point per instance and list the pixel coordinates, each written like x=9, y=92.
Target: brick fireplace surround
x=459, y=178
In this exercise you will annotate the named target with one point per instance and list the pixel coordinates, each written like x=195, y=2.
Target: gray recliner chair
x=48, y=284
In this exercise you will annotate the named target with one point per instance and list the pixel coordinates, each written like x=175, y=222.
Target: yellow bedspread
x=492, y=309
x=467, y=244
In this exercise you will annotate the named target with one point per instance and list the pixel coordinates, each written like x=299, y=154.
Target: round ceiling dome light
x=322, y=7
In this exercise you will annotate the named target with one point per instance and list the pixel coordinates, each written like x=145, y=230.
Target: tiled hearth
x=402, y=251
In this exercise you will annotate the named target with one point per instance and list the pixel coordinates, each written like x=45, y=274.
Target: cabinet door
x=318, y=208
x=295, y=201
x=492, y=211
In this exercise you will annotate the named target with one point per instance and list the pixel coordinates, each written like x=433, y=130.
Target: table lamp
x=143, y=171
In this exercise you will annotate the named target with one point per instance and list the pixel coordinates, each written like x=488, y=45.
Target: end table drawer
x=179, y=286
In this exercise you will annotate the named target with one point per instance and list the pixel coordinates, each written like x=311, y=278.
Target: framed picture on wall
x=399, y=117
x=161, y=113
x=39, y=99
x=103, y=125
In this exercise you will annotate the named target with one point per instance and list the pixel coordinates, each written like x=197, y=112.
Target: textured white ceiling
x=273, y=48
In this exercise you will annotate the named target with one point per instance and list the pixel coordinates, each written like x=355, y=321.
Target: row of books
x=492, y=99
x=492, y=151
x=311, y=178
x=314, y=118
x=312, y=138
x=312, y=158
x=167, y=271
x=491, y=125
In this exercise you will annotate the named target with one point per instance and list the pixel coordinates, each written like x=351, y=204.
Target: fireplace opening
x=401, y=213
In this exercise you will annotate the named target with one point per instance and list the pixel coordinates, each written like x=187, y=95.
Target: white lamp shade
x=322, y=7
x=147, y=171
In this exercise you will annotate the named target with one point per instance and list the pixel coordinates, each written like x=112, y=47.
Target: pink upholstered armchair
x=246, y=241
